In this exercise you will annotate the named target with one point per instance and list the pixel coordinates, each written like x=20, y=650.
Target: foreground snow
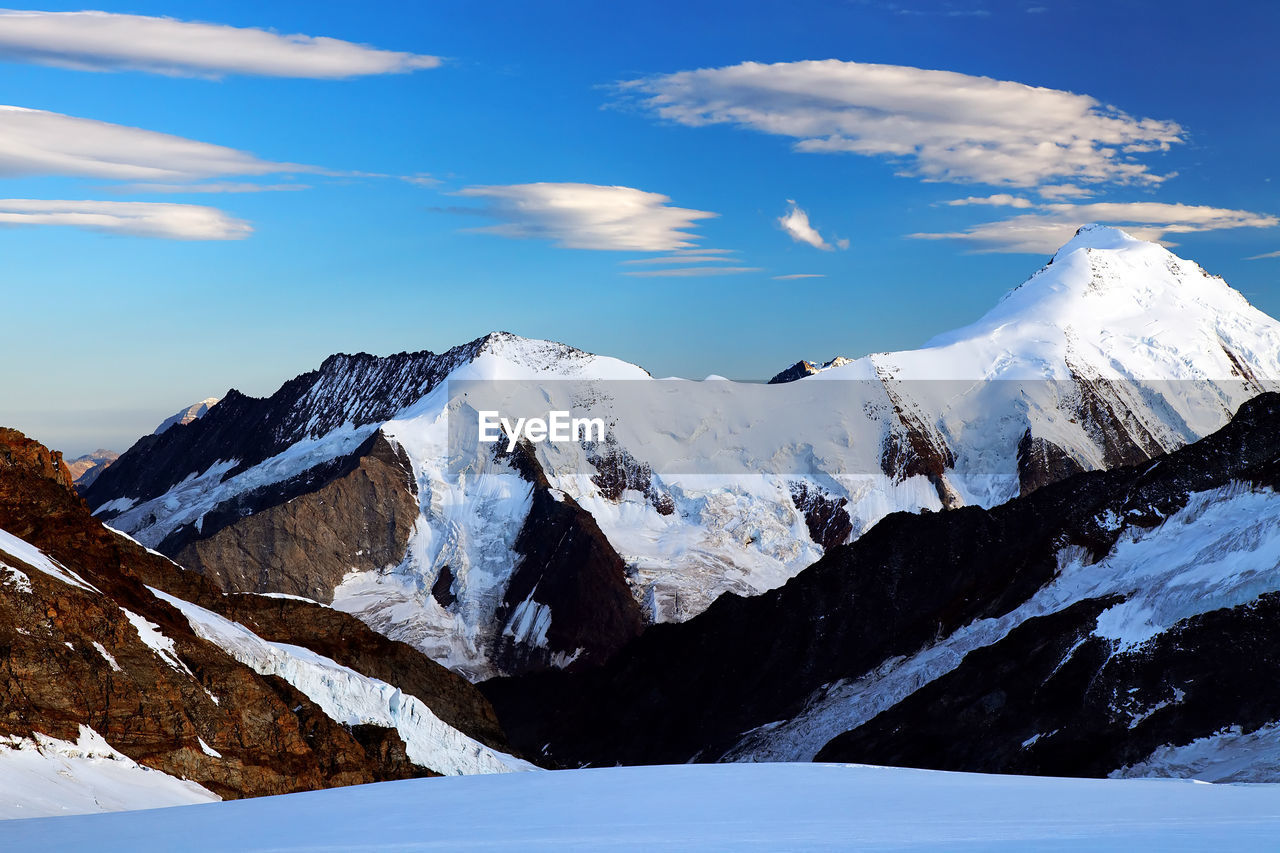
x=703, y=807
x=42, y=776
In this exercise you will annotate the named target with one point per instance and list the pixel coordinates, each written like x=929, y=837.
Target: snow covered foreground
x=702, y=807
x=42, y=776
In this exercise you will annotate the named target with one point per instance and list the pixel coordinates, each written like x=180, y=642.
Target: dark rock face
x=913, y=447
x=690, y=691
x=1067, y=706
x=825, y=516
x=272, y=739
x=1042, y=462
x=442, y=589
x=1123, y=438
x=359, y=520
x=568, y=598
x=617, y=471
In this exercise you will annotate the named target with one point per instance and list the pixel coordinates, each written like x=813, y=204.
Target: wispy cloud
x=997, y=200
x=796, y=223
x=1056, y=191
x=688, y=272
x=36, y=142
x=103, y=41
x=589, y=216
x=1265, y=255
x=693, y=256
x=796, y=275
x=210, y=187
x=938, y=125
x=135, y=218
x=1044, y=231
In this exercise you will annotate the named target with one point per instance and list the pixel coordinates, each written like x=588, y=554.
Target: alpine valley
x=1045, y=543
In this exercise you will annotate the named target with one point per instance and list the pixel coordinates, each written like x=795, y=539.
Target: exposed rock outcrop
x=825, y=516
x=567, y=602
x=1042, y=462
x=360, y=520
x=26, y=457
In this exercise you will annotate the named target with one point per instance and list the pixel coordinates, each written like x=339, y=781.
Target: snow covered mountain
x=1120, y=622
x=85, y=469
x=191, y=413
x=347, y=485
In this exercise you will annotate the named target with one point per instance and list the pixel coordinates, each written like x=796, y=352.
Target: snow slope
x=700, y=807
x=44, y=776
x=1226, y=756
x=351, y=698
x=1115, y=351
x=37, y=559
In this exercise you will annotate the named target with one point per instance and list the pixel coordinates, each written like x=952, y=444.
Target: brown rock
x=54, y=678
x=19, y=452
x=359, y=521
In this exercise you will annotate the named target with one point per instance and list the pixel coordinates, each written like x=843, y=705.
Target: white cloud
x=103, y=41
x=939, y=125
x=796, y=223
x=686, y=272
x=1056, y=191
x=139, y=219
x=796, y=275
x=211, y=187
x=589, y=216
x=1265, y=255
x=36, y=142
x=997, y=200
x=1054, y=224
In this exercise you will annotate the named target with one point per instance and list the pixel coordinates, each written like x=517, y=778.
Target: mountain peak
x=1095, y=235
x=191, y=413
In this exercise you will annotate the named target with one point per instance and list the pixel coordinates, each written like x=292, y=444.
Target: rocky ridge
x=89, y=644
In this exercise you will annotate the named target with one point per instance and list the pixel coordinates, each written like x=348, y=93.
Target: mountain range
x=345, y=485
x=1044, y=543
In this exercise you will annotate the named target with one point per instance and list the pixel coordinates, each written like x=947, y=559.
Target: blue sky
x=110, y=330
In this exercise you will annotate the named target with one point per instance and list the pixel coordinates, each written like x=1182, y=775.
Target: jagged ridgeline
x=343, y=486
